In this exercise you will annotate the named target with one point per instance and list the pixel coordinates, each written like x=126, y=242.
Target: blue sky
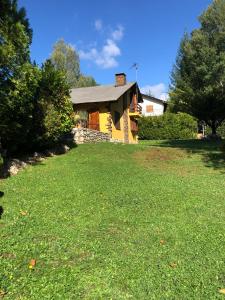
x=111, y=35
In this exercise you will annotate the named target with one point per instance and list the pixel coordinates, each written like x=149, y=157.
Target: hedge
x=168, y=126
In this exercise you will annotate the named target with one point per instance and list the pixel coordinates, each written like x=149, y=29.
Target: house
x=110, y=109
x=152, y=106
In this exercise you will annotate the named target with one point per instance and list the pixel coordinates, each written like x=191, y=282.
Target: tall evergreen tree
x=198, y=77
x=18, y=78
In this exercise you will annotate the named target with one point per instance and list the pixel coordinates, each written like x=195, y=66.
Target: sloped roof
x=147, y=97
x=100, y=93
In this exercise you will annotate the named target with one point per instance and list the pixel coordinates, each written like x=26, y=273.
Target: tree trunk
x=213, y=128
x=3, y=156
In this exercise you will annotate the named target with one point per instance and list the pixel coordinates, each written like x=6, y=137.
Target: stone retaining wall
x=14, y=165
x=86, y=135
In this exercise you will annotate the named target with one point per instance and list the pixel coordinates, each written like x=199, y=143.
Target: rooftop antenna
x=135, y=66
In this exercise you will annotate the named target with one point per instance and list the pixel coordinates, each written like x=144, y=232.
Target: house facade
x=152, y=106
x=111, y=109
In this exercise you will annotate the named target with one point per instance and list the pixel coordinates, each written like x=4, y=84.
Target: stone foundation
x=85, y=135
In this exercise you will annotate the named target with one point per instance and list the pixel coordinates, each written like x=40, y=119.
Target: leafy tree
x=53, y=110
x=35, y=108
x=198, y=77
x=85, y=81
x=18, y=78
x=16, y=113
x=65, y=58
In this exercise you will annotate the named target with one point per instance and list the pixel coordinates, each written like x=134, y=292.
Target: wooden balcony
x=135, y=110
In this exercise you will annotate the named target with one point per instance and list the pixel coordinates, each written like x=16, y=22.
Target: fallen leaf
x=2, y=293
x=7, y=255
x=222, y=291
x=23, y=213
x=32, y=263
x=173, y=265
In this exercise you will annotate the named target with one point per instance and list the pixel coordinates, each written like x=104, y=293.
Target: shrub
x=16, y=113
x=221, y=130
x=168, y=126
x=53, y=111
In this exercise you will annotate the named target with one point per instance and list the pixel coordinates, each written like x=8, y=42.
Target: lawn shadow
x=210, y=151
x=1, y=208
x=1, y=211
x=33, y=159
x=215, y=160
x=18, y=164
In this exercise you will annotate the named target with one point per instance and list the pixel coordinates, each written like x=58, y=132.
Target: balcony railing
x=135, y=108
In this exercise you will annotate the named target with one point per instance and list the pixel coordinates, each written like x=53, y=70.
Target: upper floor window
x=149, y=108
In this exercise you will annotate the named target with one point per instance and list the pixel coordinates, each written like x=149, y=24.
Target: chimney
x=120, y=79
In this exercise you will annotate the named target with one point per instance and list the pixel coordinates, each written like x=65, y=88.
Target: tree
x=15, y=36
x=35, y=107
x=198, y=77
x=85, y=81
x=53, y=110
x=65, y=58
x=18, y=78
x=16, y=113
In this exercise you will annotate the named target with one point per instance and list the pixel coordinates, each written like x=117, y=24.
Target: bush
x=16, y=113
x=168, y=126
x=221, y=130
x=53, y=111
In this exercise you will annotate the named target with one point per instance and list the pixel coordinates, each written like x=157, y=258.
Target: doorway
x=93, y=119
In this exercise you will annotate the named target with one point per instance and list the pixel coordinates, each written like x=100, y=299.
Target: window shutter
x=149, y=108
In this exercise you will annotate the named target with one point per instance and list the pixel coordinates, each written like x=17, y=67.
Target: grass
x=113, y=221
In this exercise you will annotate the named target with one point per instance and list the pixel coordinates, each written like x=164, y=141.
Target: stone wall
x=86, y=135
x=14, y=165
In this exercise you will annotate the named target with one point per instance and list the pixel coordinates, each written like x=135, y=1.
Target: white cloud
x=106, y=57
x=158, y=90
x=117, y=34
x=98, y=25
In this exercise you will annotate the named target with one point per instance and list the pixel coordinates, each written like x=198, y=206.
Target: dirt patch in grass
x=6, y=255
x=161, y=154
x=165, y=159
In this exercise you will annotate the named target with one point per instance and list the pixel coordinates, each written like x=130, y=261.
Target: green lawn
x=114, y=221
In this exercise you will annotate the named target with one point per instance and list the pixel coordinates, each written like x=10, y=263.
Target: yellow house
x=110, y=109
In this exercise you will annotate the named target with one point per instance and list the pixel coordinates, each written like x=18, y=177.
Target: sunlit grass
x=116, y=222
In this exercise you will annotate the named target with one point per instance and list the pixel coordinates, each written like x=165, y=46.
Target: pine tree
x=198, y=77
